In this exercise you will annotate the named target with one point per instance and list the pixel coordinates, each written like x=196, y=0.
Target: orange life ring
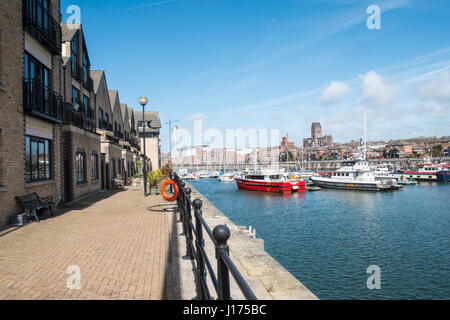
x=175, y=188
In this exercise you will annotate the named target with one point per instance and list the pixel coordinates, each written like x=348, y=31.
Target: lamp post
x=143, y=101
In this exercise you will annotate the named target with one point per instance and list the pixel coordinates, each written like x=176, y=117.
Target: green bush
x=154, y=178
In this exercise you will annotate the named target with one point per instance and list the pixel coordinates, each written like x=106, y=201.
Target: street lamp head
x=143, y=101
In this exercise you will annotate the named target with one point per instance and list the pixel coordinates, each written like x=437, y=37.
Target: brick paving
x=119, y=240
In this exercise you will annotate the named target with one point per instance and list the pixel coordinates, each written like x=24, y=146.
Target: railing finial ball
x=197, y=204
x=188, y=191
x=221, y=233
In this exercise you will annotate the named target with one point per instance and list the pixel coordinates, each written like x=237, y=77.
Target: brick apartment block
x=62, y=132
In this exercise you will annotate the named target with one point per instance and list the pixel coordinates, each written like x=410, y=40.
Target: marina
x=404, y=232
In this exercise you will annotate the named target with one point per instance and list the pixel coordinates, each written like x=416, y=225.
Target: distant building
x=317, y=140
x=398, y=149
x=152, y=125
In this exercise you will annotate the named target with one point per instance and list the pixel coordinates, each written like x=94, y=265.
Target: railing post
x=221, y=234
x=200, y=244
x=187, y=225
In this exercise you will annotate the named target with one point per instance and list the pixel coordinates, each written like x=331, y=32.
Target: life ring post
x=175, y=192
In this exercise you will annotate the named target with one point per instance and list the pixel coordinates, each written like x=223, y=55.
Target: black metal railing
x=41, y=101
x=41, y=25
x=219, y=236
x=80, y=117
x=119, y=135
x=111, y=138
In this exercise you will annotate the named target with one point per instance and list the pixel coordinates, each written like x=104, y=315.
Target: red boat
x=270, y=181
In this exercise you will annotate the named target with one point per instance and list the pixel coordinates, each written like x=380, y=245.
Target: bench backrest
x=29, y=201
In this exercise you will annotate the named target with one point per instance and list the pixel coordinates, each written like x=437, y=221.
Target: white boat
x=356, y=176
x=227, y=177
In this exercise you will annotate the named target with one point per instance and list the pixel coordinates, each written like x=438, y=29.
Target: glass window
x=94, y=161
x=37, y=159
x=87, y=108
x=80, y=161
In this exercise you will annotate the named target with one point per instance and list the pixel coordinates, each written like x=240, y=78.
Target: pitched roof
x=68, y=30
x=130, y=114
x=112, y=97
x=152, y=116
x=123, y=108
x=96, y=76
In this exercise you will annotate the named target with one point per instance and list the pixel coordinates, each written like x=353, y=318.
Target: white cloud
x=301, y=108
x=198, y=116
x=335, y=92
x=377, y=92
x=438, y=89
x=433, y=109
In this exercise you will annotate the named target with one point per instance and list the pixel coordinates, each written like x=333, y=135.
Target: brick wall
x=12, y=119
x=89, y=142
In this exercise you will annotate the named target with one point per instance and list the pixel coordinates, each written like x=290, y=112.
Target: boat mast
x=365, y=135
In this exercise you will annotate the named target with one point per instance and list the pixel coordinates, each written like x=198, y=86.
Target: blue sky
x=278, y=63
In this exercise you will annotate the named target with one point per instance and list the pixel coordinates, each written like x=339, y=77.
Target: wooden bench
x=32, y=204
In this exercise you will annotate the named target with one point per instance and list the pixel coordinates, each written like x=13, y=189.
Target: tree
x=436, y=151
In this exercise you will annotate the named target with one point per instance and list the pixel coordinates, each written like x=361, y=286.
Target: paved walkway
x=119, y=241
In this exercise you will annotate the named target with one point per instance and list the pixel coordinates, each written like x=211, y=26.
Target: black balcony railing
x=77, y=72
x=41, y=101
x=80, y=117
x=119, y=135
x=195, y=249
x=104, y=125
x=111, y=138
x=41, y=25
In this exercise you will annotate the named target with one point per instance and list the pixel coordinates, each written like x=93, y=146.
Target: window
x=38, y=163
x=74, y=52
x=100, y=118
x=94, y=161
x=85, y=67
x=80, y=161
x=87, y=107
x=75, y=95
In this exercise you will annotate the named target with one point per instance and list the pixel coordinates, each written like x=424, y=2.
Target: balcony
x=42, y=102
x=77, y=72
x=80, y=118
x=119, y=135
x=41, y=25
x=111, y=138
x=104, y=125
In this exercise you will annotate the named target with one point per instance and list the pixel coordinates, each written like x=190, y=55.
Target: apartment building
x=134, y=142
x=127, y=155
x=152, y=125
x=116, y=157
x=110, y=147
x=30, y=98
x=81, y=142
